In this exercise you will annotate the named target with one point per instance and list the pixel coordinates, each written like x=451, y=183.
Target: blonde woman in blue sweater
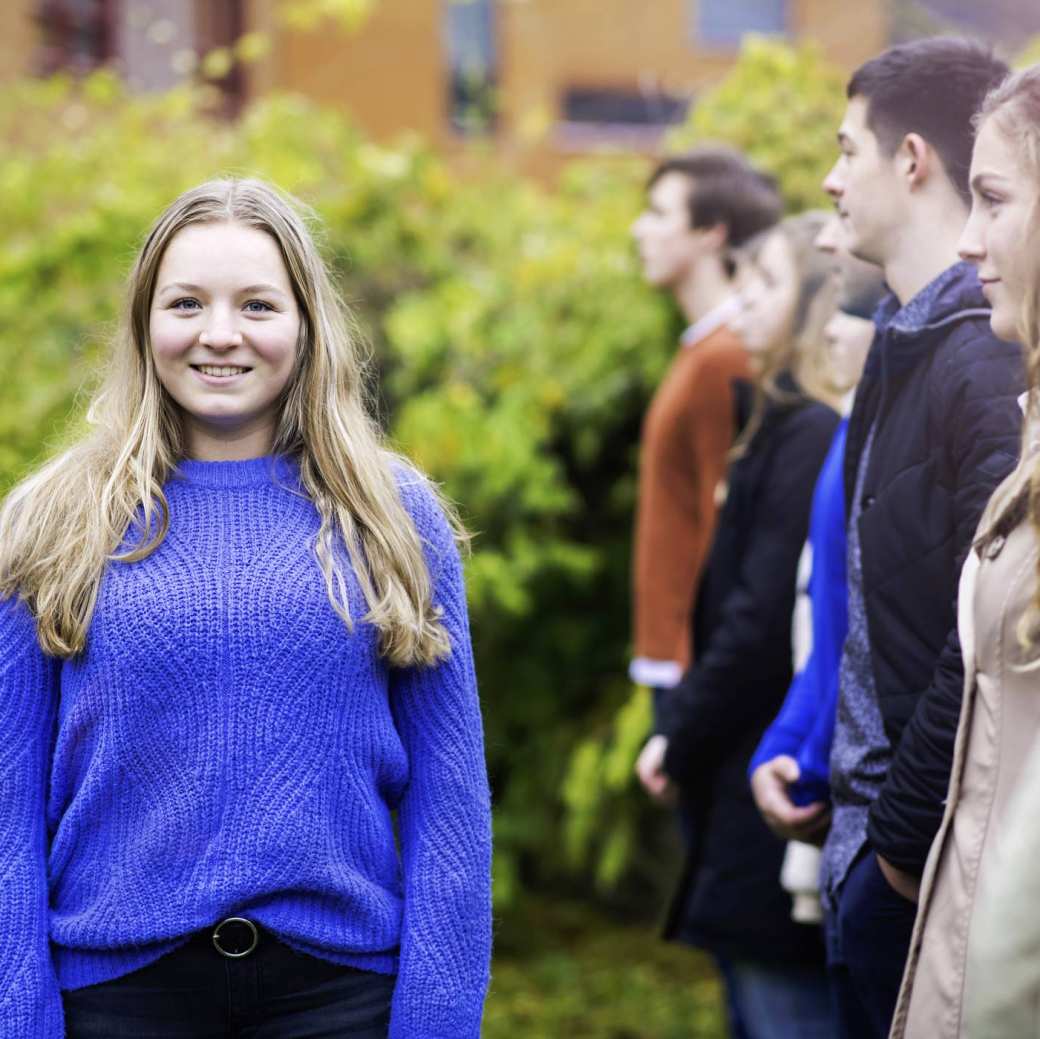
x=233, y=644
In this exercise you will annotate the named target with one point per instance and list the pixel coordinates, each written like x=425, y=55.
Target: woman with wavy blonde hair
x=972, y=969
x=233, y=644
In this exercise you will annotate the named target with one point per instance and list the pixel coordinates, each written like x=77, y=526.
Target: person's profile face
x=864, y=187
x=668, y=246
x=831, y=237
x=1000, y=236
x=848, y=340
x=768, y=294
x=223, y=331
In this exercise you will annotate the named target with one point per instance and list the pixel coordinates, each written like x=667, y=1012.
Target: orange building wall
x=389, y=74
x=17, y=41
x=549, y=46
x=848, y=34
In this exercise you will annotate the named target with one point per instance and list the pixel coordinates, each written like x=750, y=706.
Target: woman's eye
x=186, y=304
x=258, y=306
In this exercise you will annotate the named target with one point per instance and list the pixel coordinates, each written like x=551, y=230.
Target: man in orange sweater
x=699, y=207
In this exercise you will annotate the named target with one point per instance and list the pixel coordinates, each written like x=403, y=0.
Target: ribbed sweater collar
x=248, y=472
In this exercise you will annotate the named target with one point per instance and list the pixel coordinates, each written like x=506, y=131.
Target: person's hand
x=769, y=784
x=650, y=769
x=905, y=884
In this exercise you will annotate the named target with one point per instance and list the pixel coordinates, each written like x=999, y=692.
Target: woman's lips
x=220, y=375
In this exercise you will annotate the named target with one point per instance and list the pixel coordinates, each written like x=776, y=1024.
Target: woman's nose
x=970, y=245
x=220, y=334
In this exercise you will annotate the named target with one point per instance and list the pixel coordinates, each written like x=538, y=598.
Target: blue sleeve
x=791, y=726
x=30, y=1000
x=804, y=727
x=444, y=817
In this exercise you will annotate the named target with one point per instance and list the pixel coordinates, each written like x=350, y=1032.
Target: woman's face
x=768, y=297
x=848, y=340
x=1000, y=236
x=224, y=326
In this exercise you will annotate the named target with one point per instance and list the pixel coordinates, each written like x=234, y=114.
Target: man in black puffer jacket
x=934, y=429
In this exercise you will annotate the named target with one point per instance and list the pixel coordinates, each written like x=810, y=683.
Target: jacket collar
x=953, y=295
x=907, y=333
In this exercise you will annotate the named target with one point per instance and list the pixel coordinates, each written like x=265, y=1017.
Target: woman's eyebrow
x=262, y=287
x=181, y=286
x=186, y=286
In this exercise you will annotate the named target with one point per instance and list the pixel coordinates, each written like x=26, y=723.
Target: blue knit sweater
x=224, y=746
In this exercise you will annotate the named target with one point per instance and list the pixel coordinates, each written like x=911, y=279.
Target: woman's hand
x=769, y=785
x=650, y=769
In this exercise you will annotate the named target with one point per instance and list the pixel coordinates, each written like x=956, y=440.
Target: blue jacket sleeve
x=30, y=1001
x=444, y=817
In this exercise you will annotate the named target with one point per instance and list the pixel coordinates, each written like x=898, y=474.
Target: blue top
x=225, y=746
x=804, y=728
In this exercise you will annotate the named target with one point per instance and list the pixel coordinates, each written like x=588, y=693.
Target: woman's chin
x=1005, y=325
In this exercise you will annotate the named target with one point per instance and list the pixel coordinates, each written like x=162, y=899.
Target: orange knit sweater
x=687, y=434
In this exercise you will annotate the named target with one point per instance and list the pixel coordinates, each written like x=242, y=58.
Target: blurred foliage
x=309, y=14
x=516, y=348
x=347, y=14
x=564, y=970
x=1029, y=54
x=782, y=105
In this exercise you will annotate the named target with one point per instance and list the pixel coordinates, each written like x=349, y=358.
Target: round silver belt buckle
x=252, y=940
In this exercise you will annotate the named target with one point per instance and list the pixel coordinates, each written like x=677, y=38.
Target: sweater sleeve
x=444, y=817
x=30, y=1000
x=684, y=453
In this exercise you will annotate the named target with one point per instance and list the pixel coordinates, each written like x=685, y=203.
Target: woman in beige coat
x=947, y=972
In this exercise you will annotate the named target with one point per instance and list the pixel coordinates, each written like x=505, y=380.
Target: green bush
x=516, y=346
x=782, y=105
x=584, y=976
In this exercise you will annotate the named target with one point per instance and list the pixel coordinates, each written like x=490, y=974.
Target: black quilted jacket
x=943, y=391
x=729, y=899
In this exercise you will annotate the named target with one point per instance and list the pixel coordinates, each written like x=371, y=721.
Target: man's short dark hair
x=933, y=88
x=725, y=189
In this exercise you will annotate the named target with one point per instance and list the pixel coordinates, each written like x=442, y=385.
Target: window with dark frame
x=628, y=107
x=722, y=23
x=472, y=59
x=221, y=25
x=624, y=116
x=79, y=36
x=75, y=35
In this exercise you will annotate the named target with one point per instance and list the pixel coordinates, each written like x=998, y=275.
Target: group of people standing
x=836, y=593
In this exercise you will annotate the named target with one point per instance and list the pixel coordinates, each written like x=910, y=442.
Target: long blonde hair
x=62, y=526
x=1014, y=106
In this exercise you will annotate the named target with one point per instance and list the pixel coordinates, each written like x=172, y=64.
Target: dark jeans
x=868, y=939
x=272, y=993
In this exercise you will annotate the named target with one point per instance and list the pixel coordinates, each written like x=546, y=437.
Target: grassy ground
x=564, y=970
